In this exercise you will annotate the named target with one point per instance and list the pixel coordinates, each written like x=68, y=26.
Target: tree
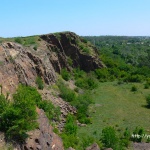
x=109, y=137
x=19, y=116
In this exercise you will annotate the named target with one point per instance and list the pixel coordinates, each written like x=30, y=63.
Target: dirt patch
x=141, y=146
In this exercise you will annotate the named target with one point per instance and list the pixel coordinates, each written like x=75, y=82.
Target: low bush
x=18, y=40
x=133, y=88
x=66, y=93
x=77, y=73
x=30, y=40
x=65, y=74
x=19, y=116
x=148, y=100
x=110, y=138
x=39, y=83
x=86, y=83
x=102, y=74
x=82, y=103
x=70, y=126
x=70, y=61
x=125, y=140
x=70, y=140
x=138, y=131
x=133, y=78
x=51, y=111
x=87, y=141
x=146, y=86
x=86, y=50
x=35, y=47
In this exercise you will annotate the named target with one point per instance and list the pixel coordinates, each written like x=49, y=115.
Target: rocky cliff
x=22, y=64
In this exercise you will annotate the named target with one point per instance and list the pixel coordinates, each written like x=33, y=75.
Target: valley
x=82, y=91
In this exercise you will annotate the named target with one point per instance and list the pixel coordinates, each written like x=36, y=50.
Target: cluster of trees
x=133, y=50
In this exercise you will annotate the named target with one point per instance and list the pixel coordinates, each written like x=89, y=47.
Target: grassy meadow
x=116, y=105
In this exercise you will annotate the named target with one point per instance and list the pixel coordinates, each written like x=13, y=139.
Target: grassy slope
x=117, y=106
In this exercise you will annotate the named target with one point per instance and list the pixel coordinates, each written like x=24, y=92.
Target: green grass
x=115, y=105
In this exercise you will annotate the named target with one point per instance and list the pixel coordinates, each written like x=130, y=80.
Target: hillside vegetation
x=105, y=102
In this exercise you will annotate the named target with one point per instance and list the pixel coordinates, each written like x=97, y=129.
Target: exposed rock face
x=64, y=106
x=70, y=148
x=19, y=65
x=68, y=45
x=43, y=138
x=93, y=147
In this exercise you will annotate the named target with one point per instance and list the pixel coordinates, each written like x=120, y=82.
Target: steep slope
x=22, y=64
x=68, y=45
x=45, y=57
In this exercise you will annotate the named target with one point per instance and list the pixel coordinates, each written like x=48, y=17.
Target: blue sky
x=84, y=17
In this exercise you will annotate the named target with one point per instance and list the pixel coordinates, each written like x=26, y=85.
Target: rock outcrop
x=93, y=147
x=64, y=106
x=22, y=64
x=141, y=146
x=19, y=65
x=43, y=138
x=69, y=45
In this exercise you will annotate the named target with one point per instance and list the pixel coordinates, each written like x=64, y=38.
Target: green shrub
x=125, y=140
x=87, y=141
x=19, y=116
x=84, y=40
x=148, y=100
x=86, y=50
x=65, y=74
x=115, y=72
x=70, y=126
x=133, y=78
x=69, y=140
x=77, y=73
x=146, y=86
x=30, y=40
x=133, y=88
x=81, y=45
x=148, y=81
x=39, y=83
x=70, y=61
x=18, y=40
x=138, y=131
x=82, y=103
x=3, y=103
x=110, y=138
x=76, y=89
x=102, y=74
x=86, y=83
x=35, y=47
x=66, y=93
x=51, y=111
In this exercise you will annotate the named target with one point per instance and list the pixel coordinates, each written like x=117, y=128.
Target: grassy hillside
x=108, y=100
x=116, y=105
